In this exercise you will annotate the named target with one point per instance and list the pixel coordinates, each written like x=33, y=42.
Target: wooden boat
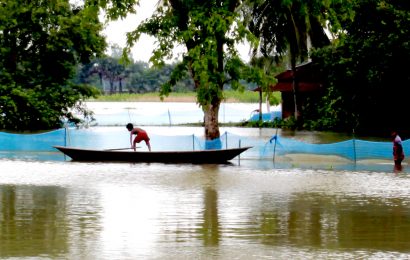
x=195, y=157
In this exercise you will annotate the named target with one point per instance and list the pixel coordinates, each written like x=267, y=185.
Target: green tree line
x=110, y=74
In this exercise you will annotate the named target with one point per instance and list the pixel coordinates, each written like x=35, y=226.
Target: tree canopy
x=131, y=77
x=288, y=29
x=210, y=32
x=364, y=70
x=40, y=44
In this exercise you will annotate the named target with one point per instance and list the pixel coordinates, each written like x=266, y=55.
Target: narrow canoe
x=196, y=157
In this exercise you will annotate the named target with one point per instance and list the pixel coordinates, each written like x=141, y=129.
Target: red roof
x=302, y=86
x=287, y=87
x=307, y=80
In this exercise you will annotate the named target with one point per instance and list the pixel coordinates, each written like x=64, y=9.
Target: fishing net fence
x=20, y=145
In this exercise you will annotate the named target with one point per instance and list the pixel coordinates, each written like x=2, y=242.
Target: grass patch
x=230, y=96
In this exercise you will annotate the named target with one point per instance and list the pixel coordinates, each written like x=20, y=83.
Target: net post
x=274, y=146
x=193, y=142
x=354, y=147
x=226, y=140
x=65, y=139
x=239, y=156
x=169, y=118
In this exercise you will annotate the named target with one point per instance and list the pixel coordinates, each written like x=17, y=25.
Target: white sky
x=116, y=31
x=142, y=50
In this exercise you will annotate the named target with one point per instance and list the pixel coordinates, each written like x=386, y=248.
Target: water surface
x=167, y=113
x=298, y=207
x=126, y=211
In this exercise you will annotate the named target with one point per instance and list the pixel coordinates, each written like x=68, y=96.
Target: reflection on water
x=39, y=220
x=152, y=211
x=26, y=218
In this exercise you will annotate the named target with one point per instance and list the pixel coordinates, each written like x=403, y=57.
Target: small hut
x=309, y=84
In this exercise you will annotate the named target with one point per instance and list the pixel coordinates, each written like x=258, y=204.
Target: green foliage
x=285, y=29
x=132, y=77
x=276, y=123
x=210, y=31
x=230, y=96
x=365, y=81
x=283, y=26
x=204, y=28
x=288, y=123
x=245, y=96
x=110, y=69
x=40, y=44
x=138, y=77
x=115, y=9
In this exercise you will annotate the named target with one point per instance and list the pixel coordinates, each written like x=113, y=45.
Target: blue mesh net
x=289, y=146
x=32, y=142
x=353, y=149
x=266, y=117
x=40, y=146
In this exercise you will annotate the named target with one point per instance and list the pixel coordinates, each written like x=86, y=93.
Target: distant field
x=230, y=96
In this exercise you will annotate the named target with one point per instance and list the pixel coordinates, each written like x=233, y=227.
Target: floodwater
x=249, y=209
x=167, y=113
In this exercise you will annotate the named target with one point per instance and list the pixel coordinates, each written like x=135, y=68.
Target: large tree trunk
x=211, y=113
x=209, y=107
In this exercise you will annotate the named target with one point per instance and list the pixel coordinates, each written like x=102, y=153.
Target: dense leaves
x=366, y=71
x=210, y=32
x=287, y=28
x=40, y=44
